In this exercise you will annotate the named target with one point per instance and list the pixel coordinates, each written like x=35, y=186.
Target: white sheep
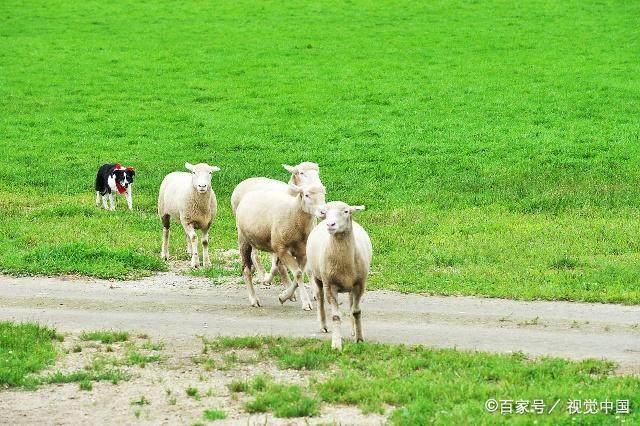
x=278, y=222
x=305, y=173
x=338, y=260
x=188, y=197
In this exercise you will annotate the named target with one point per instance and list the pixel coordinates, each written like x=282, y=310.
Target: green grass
x=105, y=336
x=428, y=386
x=143, y=400
x=488, y=140
x=157, y=346
x=135, y=357
x=283, y=401
x=214, y=414
x=84, y=376
x=193, y=392
x=238, y=386
x=25, y=349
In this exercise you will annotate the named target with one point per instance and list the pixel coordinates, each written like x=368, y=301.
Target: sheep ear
x=188, y=166
x=356, y=208
x=294, y=189
x=290, y=169
x=214, y=169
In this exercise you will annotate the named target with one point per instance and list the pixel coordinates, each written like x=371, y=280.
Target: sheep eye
x=301, y=174
x=346, y=212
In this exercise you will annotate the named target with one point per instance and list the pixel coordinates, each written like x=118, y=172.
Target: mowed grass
x=416, y=385
x=494, y=144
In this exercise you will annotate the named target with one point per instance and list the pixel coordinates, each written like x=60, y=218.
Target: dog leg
x=129, y=196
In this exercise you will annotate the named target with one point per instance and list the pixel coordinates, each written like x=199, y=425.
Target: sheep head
x=201, y=176
x=311, y=196
x=305, y=173
x=337, y=216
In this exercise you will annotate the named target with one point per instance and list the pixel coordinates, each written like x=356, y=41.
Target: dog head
x=123, y=177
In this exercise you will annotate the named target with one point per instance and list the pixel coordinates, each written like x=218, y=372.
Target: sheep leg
x=104, y=202
x=296, y=267
x=302, y=287
x=351, y=317
x=258, y=265
x=166, y=223
x=291, y=263
x=188, y=250
x=322, y=315
x=284, y=277
x=356, y=322
x=191, y=233
x=112, y=202
x=245, y=254
x=332, y=295
x=206, y=262
x=268, y=278
x=314, y=290
x=98, y=198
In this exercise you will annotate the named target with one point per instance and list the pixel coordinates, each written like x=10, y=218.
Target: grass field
x=494, y=144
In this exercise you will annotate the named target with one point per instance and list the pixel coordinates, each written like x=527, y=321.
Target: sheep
x=305, y=173
x=278, y=222
x=338, y=260
x=188, y=197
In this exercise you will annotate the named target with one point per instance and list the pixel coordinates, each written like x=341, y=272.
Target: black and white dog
x=113, y=178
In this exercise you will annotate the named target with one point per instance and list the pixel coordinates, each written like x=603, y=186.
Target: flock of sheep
x=279, y=218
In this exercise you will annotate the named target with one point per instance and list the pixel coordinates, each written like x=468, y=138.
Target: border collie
x=113, y=178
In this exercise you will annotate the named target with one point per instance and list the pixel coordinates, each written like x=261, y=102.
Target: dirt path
x=173, y=306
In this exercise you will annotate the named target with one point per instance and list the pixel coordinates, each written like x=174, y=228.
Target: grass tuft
x=106, y=336
x=238, y=386
x=213, y=414
x=24, y=349
x=564, y=263
x=284, y=401
x=135, y=357
x=193, y=392
x=85, y=385
x=143, y=400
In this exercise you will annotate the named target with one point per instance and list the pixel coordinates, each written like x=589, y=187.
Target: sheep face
x=311, y=196
x=201, y=176
x=306, y=173
x=337, y=216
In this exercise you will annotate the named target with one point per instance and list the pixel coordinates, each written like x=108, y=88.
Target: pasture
x=495, y=145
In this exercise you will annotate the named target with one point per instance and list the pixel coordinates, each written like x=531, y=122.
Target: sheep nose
x=331, y=225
